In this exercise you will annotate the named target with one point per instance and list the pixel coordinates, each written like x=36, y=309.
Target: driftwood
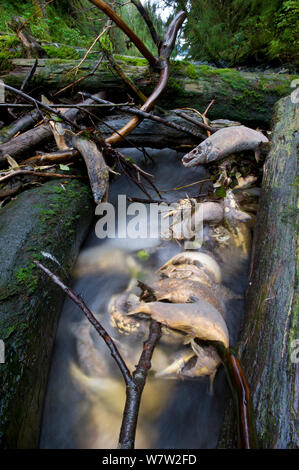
x=147, y=134
x=97, y=169
x=20, y=125
x=242, y=96
x=26, y=143
x=266, y=350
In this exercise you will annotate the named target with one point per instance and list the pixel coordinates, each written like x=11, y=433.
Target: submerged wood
x=241, y=96
x=265, y=348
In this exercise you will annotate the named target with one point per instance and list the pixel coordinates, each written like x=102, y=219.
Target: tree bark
x=266, y=348
x=55, y=220
x=242, y=96
x=147, y=134
x=27, y=142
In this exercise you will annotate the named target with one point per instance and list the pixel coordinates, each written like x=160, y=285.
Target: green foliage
x=134, y=20
x=77, y=23
x=61, y=52
x=231, y=32
x=10, y=48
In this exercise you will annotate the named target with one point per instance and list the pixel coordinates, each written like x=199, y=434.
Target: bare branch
x=92, y=319
x=148, y=21
x=128, y=31
x=38, y=104
x=145, y=115
x=134, y=383
x=134, y=392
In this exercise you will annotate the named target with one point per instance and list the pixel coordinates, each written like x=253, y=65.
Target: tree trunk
x=266, y=347
x=50, y=219
x=242, y=96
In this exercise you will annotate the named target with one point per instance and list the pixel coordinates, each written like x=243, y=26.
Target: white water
x=85, y=395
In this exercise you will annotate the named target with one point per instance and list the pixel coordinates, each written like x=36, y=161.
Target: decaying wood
x=97, y=169
x=20, y=125
x=265, y=349
x=254, y=105
x=42, y=158
x=144, y=115
x=26, y=143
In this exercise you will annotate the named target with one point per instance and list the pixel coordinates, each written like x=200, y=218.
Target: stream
x=86, y=394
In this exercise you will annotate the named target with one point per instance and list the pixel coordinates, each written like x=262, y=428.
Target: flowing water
x=86, y=393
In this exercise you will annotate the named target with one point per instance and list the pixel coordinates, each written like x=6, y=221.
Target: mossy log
x=53, y=219
x=266, y=349
x=242, y=96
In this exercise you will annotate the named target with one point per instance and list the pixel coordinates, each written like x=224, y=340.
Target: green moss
x=174, y=86
x=28, y=277
x=10, y=48
x=61, y=52
x=191, y=71
x=131, y=60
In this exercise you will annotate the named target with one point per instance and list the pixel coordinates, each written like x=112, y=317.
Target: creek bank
x=266, y=349
x=53, y=218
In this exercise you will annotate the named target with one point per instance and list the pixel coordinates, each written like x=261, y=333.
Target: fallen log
x=26, y=143
x=147, y=134
x=242, y=96
x=266, y=349
x=20, y=125
x=51, y=219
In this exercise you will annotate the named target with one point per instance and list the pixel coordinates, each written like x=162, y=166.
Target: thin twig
x=29, y=76
x=38, y=173
x=134, y=382
x=79, y=80
x=145, y=115
x=148, y=21
x=194, y=121
x=67, y=106
x=123, y=76
x=76, y=68
x=92, y=319
x=134, y=392
x=38, y=104
x=128, y=31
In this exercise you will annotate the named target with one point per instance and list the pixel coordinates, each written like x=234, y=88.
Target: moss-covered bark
x=266, y=345
x=247, y=97
x=53, y=218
